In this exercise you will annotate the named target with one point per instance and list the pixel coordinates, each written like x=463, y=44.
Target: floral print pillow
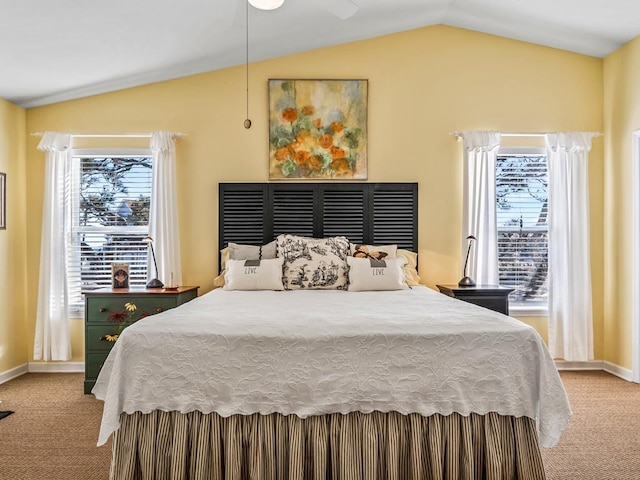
x=314, y=263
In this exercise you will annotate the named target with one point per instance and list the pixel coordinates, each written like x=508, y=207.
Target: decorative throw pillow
x=372, y=274
x=239, y=251
x=314, y=263
x=377, y=252
x=224, y=258
x=410, y=267
x=254, y=275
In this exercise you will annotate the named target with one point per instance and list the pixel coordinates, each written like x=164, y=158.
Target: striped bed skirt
x=376, y=446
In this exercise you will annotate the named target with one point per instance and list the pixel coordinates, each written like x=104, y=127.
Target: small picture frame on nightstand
x=120, y=275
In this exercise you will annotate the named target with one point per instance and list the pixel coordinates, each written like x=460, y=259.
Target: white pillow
x=411, y=267
x=254, y=274
x=239, y=251
x=371, y=274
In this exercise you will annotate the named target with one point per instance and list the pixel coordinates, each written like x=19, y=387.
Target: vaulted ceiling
x=52, y=51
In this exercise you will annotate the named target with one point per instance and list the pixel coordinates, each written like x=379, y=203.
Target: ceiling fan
x=343, y=9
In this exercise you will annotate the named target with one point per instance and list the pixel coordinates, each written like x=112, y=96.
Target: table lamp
x=467, y=281
x=154, y=282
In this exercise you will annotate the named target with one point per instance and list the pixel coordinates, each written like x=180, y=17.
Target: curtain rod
x=112, y=135
x=459, y=135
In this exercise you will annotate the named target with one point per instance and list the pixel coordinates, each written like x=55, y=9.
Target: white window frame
x=520, y=310
x=76, y=305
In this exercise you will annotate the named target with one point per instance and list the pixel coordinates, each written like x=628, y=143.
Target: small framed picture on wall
x=3, y=201
x=120, y=275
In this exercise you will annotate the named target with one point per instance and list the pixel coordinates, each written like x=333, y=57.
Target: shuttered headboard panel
x=371, y=213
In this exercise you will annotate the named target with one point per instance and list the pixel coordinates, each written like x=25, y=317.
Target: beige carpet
x=602, y=441
x=52, y=434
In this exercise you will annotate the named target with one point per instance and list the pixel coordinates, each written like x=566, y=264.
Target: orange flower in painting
x=289, y=115
x=317, y=123
x=302, y=157
x=308, y=110
x=325, y=141
x=340, y=166
x=337, y=152
x=337, y=127
x=282, y=154
x=315, y=162
x=302, y=135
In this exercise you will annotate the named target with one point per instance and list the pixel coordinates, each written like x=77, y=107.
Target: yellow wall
x=621, y=118
x=423, y=84
x=13, y=278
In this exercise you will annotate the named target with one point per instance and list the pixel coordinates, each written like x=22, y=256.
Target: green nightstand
x=100, y=303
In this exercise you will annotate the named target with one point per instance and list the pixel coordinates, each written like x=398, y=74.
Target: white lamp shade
x=266, y=4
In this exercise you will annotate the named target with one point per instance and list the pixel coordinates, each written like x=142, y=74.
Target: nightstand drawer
x=95, y=332
x=95, y=361
x=98, y=309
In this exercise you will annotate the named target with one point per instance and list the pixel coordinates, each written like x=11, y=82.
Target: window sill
x=520, y=311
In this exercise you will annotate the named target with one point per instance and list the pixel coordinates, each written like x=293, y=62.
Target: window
x=521, y=215
x=110, y=195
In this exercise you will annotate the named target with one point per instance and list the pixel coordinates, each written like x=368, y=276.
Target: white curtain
x=479, y=200
x=52, y=341
x=570, y=309
x=163, y=214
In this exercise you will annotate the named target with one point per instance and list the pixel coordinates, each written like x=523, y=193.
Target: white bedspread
x=318, y=352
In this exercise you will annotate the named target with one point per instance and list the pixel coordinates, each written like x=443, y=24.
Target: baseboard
x=608, y=367
x=589, y=365
x=13, y=373
x=618, y=371
x=56, y=367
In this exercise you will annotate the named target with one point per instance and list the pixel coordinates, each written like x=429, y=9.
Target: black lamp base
x=467, y=282
x=155, y=283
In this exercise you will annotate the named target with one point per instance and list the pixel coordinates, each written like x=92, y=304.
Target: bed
x=317, y=384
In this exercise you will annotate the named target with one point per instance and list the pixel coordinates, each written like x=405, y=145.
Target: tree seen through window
x=521, y=213
x=110, y=219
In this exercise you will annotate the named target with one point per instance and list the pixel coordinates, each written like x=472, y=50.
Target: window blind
x=109, y=200
x=521, y=213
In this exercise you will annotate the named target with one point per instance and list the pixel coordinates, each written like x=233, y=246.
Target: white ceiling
x=58, y=50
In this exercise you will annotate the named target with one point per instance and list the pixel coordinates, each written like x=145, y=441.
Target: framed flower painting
x=3, y=201
x=318, y=129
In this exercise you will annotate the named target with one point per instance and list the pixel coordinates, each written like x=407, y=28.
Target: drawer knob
x=102, y=309
x=158, y=310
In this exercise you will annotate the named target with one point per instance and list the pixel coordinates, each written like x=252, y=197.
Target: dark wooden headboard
x=369, y=213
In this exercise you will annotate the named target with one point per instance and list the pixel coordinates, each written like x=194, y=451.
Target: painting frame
x=318, y=129
x=3, y=201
